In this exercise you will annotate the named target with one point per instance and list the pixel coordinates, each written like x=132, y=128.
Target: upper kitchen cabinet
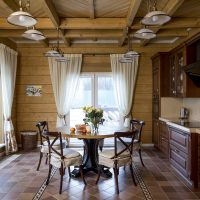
x=177, y=60
x=183, y=62
x=160, y=67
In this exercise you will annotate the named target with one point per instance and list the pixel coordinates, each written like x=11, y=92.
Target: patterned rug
x=137, y=174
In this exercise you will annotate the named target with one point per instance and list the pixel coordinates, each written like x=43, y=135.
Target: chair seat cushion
x=71, y=158
x=105, y=158
x=45, y=148
x=109, y=153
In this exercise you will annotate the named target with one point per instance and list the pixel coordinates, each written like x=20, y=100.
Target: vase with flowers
x=93, y=116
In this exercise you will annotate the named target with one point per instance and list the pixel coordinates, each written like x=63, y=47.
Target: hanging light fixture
x=130, y=54
x=22, y=18
x=33, y=34
x=56, y=52
x=145, y=33
x=155, y=17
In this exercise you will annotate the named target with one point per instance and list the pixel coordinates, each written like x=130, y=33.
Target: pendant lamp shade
x=21, y=18
x=53, y=53
x=62, y=59
x=56, y=52
x=131, y=54
x=33, y=35
x=145, y=33
x=125, y=60
x=155, y=18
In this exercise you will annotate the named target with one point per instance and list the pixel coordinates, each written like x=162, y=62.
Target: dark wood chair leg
x=69, y=172
x=41, y=155
x=140, y=154
x=47, y=158
x=99, y=173
x=61, y=178
x=133, y=177
x=82, y=175
x=116, y=178
x=49, y=174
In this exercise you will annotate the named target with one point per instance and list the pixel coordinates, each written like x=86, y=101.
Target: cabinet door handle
x=177, y=151
x=162, y=138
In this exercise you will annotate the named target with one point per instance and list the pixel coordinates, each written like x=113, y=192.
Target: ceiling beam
x=98, y=23
x=170, y=9
x=102, y=23
x=69, y=34
x=51, y=12
x=89, y=34
x=91, y=9
x=11, y=4
x=134, y=6
x=172, y=33
x=190, y=34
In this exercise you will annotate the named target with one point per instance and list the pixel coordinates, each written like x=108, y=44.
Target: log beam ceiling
x=99, y=28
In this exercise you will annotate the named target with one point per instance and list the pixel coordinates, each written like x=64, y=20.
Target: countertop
x=187, y=126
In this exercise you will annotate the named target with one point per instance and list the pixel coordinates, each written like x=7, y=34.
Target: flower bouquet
x=93, y=116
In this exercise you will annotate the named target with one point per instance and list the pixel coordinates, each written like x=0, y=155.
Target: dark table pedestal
x=90, y=159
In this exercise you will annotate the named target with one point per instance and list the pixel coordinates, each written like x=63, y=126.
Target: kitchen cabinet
x=163, y=138
x=160, y=88
x=177, y=75
x=179, y=151
x=155, y=136
x=160, y=73
x=183, y=154
x=180, y=83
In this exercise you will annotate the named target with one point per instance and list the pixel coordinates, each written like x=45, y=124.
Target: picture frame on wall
x=33, y=90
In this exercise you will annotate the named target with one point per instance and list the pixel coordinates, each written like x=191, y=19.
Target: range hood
x=193, y=71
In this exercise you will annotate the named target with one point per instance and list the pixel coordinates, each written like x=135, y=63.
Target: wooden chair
x=62, y=158
x=44, y=149
x=137, y=126
x=117, y=157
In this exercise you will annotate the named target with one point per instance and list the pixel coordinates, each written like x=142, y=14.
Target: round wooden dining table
x=91, y=143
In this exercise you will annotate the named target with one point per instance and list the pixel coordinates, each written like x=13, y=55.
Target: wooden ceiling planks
x=100, y=19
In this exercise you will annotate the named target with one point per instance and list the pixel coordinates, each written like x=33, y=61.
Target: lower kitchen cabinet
x=163, y=137
x=155, y=129
x=183, y=154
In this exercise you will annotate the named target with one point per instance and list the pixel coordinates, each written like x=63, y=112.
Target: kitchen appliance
x=184, y=113
x=193, y=67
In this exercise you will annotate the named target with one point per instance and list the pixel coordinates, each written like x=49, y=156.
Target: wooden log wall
x=33, y=70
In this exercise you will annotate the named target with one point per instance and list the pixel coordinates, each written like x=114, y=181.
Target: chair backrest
x=42, y=126
x=126, y=145
x=136, y=126
x=51, y=138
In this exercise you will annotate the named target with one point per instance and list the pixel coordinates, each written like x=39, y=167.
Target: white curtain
x=64, y=78
x=124, y=79
x=8, y=68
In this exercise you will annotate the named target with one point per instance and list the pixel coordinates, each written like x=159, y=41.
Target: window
x=95, y=89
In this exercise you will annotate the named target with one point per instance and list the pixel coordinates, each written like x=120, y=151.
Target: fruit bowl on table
x=80, y=128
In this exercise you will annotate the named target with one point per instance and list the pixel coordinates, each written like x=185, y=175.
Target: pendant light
x=56, y=52
x=145, y=33
x=22, y=18
x=128, y=57
x=33, y=34
x=155, y=17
